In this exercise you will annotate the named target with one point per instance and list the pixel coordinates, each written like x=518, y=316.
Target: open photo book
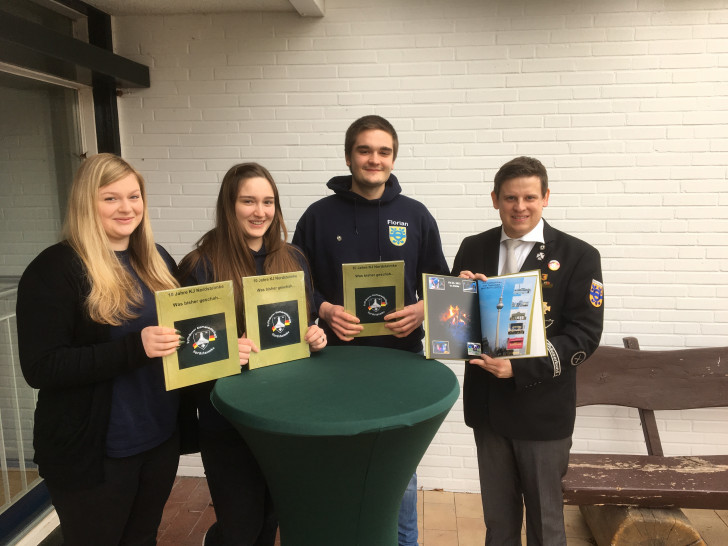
x=501, y=317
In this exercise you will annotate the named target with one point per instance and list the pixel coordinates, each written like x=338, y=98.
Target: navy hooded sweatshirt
x=347, y=228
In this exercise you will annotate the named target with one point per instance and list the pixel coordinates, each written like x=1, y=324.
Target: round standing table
x=338, y=437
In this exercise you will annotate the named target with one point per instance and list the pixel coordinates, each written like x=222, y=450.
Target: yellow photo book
x=205, y=316
x=373, y=290
x=276, y=317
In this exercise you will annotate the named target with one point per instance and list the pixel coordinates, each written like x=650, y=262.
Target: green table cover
x=338, y=436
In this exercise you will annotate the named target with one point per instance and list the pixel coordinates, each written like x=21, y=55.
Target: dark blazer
x=539, y=401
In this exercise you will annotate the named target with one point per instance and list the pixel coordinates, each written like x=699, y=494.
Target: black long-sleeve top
x=73, y=361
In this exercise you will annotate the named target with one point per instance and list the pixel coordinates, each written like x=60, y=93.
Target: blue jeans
x=407, y=527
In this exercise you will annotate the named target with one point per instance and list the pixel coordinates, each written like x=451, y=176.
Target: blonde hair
x=114, y=293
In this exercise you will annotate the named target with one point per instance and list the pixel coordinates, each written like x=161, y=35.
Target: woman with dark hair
x=249, y=238
x=105, y=432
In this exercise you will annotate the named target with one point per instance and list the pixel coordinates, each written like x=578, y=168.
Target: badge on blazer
x=540, y=256
x=554, y=265
x=577, y=358
x=397, y=235
x=596, y=293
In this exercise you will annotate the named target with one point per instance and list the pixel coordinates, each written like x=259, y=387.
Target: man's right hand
x=344, y=325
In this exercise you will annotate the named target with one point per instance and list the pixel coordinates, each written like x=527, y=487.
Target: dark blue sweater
x=143, y=413
x=209, y=417
x=347, y=228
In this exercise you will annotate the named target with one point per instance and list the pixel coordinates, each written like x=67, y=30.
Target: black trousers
x=240, y=496
x=517, y=472
x=127, y=507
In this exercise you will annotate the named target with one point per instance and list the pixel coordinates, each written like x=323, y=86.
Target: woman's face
x=121, y=210
x=255, y=208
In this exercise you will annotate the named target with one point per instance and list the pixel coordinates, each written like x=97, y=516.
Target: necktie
x=511, y=265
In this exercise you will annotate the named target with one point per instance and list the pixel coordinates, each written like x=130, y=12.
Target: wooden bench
x=636, y=499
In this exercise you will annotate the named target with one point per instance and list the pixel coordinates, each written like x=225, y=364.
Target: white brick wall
x=624, y=101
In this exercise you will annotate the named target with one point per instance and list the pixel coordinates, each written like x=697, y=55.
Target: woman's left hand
x=316, y=338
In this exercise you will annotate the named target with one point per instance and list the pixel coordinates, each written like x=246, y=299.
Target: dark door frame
x=31, y=46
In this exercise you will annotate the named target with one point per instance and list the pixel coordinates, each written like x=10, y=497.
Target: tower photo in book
x=506, y=311
x=502, y=317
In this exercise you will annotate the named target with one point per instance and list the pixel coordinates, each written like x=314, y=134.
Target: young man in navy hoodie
x=367, y=219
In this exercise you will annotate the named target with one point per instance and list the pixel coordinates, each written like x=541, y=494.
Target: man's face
x=520, y=205
x=371, y=162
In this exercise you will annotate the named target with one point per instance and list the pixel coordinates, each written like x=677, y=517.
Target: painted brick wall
x=625, y=102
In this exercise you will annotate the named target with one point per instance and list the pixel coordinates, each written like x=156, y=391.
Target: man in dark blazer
x=522, y=411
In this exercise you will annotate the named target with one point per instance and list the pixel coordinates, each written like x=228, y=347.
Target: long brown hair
x=223, y=253
x=114, y=293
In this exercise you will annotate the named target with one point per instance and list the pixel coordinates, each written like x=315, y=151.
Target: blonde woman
x=249, y=238
x=105, y=436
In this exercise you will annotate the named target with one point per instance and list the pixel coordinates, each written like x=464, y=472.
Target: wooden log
x=634, y=526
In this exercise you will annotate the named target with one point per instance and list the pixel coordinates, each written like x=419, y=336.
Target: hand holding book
x=473, y=276
x=160, y=341
x=245, y=347
x=499, y=367
x=344, y=325
x=402, y=323
x=316, y=338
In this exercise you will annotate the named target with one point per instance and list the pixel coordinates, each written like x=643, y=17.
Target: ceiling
x=305, y=8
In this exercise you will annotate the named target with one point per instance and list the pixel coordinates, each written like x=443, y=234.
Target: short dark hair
x=518, y=167
x=369, y=123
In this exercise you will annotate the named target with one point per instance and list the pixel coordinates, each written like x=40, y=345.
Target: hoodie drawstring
x=379, y=223
x=356, y=226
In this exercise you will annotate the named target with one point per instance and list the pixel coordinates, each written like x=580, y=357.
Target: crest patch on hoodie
x=397, y=235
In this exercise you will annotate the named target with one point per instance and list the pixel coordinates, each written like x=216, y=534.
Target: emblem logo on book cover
x=373, y=306
x=203, y=340
x=278, y=324
x=206, y=340
x=397, y=235
x=376, y=305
